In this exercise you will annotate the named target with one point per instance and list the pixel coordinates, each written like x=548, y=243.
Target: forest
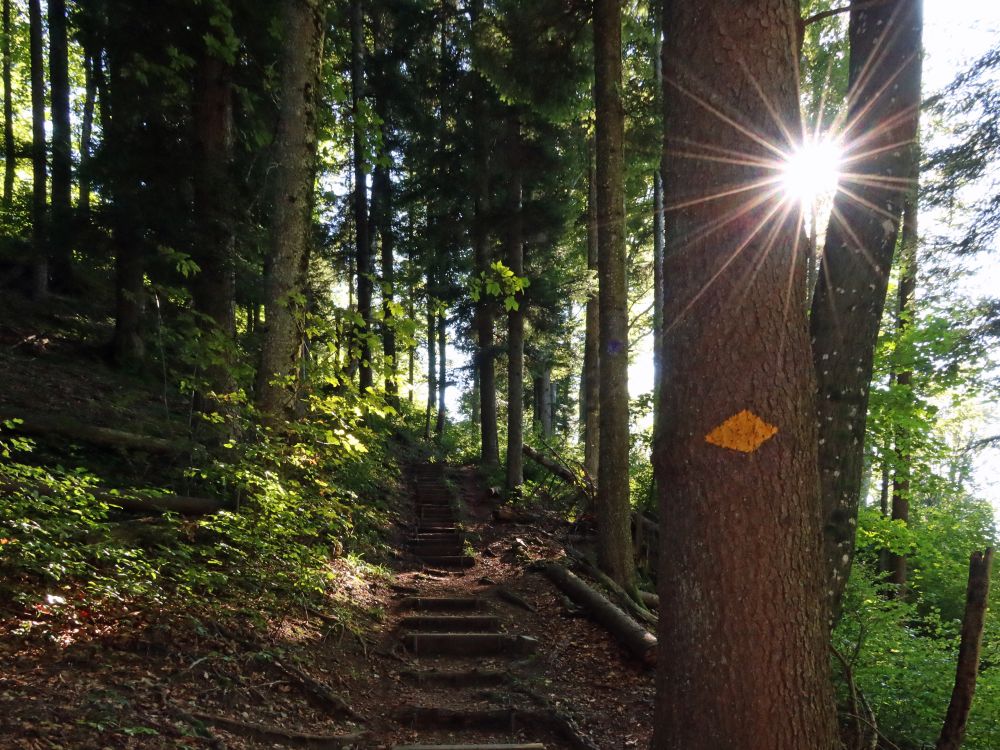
x=471, y=374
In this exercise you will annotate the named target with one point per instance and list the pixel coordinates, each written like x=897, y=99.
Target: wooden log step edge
x=449, y=561
x=457, y=678
x=442, y=603
x=522, y=746
x=451, y=623
x=468, y=644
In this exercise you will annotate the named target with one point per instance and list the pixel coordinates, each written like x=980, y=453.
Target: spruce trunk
x=743, y=659
x=291, y=219
x=614, y=534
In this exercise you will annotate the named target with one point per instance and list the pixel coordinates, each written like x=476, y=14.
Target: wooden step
x=456, y=678
x=448, y=561
x=435, y=527
x=451, y=623
x=520, y=746
x=468, y=644
x=435, y=537
x=438, y=549
x=442, y=603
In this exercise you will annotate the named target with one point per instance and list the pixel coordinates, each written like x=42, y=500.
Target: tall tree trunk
x=61, y=234
x=382, y=185
x=291, y=219
x=977, y=597
x=735, y=457
x=87, y=131
x=363, y=247
x=909, y=240
x=214, y=286
x=515, y=318
x=442, y=333
x=657, y=210
x=591, y=380
x=543, y=399
x=39, y=171
x=614, y=534
x=431, y=363
x=482, y=252
x=883, y=112
x=10, y=147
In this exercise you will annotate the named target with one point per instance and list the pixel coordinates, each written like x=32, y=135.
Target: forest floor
x=143, y=679
x=219, y=675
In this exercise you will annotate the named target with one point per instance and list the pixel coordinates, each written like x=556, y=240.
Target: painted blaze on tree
x=743, y=645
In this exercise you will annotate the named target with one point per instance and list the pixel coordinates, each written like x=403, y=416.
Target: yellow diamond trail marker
x=744, y=432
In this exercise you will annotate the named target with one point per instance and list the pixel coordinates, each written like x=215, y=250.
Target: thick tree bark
x=363, y=248
x=291, y=219
x=483, y=255
x=743, y=640
x=10, y=147
x=904, y=379
x=61, y=234
x=515, y=318
x=614, y=537
x=39, y=170
x=976, y=601
x=882, y=116
x=214, y=286
x=591, y=380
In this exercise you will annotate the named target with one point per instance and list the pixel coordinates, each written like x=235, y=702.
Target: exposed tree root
x=322, y=692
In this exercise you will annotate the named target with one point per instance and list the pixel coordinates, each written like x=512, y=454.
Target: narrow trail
x=468, y=672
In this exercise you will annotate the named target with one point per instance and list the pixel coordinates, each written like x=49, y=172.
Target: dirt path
x=485, y=657
x=517, y=668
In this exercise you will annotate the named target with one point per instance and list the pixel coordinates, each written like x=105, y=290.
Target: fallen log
x=650, y=599
x=182, y=504
x=624, y=601
x=130, y=501
x=633, y=636
x=582, y=483
x=45, y=425
x=976, y=599
x=291, y=737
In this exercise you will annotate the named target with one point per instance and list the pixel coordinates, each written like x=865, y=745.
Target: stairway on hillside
x=464, y=660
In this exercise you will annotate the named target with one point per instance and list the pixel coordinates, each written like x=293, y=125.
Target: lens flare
x=811, y=171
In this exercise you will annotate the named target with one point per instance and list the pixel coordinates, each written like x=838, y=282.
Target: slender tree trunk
x=10, y=147
x=883, y=113
x=39, y=171
x=657, y=212
x=432, y=385
x=442, y=333
x=591, y=380
x=87, y=132
x=735, y=457
x=383, y=187
x=515, y=318
x=363, y=248
x=291, y=219
x=214, y=286
x=614, y=534
x=544, y=390
x=482, y=252
x=976, y=601
x=904, y=378
x=61, y=234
